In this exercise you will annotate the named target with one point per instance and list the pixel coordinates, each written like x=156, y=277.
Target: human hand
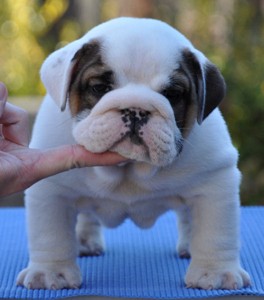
x=21, y=166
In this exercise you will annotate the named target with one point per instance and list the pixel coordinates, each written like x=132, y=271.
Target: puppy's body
x=135, y=185
x=136, y=87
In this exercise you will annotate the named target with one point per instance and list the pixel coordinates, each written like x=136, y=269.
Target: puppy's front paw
x=224, y=277
x=52, y=276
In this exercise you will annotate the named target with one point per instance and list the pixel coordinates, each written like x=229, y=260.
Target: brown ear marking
x=88, y=54
x=88, y=70
x=209, y=83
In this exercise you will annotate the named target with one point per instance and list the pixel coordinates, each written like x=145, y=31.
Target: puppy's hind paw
x=91, y=248
x=90, y=239
x=184, y=254
x=89, y=236
x=183, y=250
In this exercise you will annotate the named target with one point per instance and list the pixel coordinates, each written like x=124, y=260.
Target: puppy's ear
x=209, y=83
x=56, y=72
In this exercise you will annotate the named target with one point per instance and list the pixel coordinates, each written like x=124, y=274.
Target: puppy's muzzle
x=134, y=119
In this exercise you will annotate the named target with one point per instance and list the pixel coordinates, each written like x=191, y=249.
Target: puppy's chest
x=143, y=212
x=116, y=195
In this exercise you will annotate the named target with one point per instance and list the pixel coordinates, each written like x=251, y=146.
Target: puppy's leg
x=89, y=235
x=52, y=244
x=215, y=241
x=184, y=231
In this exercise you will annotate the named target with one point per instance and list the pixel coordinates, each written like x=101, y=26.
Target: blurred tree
x=244, y=72
x=88, y=13
x=19, y=51
x=136, y=8
x=28, y=31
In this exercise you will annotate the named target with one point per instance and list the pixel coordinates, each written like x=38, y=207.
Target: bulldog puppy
x=137, y=87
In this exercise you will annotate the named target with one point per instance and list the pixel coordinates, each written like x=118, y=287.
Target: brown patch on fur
x=179, y=92
x=88, y=79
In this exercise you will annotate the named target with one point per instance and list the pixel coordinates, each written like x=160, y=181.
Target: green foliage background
x=229, y=32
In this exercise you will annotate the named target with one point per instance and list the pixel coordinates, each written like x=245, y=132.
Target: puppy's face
x=136, y=87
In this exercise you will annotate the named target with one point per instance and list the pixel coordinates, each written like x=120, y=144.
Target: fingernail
x=3, y=91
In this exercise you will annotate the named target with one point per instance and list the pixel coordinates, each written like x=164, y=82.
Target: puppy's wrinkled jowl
x=137, y=87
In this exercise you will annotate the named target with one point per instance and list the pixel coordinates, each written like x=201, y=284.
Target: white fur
x=202, y=184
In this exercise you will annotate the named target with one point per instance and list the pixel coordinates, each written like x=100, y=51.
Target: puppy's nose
x=134, y=119
x=135, y=116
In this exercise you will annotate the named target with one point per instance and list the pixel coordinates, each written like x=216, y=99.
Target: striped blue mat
x=137, y=263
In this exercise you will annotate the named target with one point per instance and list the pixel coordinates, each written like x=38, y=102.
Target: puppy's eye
x=100, y=89
x=172, y=94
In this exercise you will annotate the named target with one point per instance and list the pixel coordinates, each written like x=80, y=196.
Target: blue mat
x=137, y=263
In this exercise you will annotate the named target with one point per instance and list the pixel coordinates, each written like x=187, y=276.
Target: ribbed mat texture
x=137, y=263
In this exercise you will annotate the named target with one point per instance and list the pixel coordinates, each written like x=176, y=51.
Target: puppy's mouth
x=132, y=146
x=131, y=143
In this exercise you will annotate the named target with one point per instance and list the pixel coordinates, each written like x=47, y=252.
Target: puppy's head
x=134, y=86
